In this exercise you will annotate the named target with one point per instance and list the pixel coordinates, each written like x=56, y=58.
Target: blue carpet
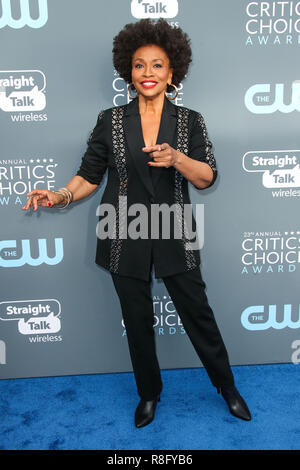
x=90, y=412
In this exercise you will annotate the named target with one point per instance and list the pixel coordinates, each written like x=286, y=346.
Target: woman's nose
x=148, y=71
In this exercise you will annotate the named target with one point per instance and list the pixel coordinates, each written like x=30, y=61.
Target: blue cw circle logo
x=7, y=18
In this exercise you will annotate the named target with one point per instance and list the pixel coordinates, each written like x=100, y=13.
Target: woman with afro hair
x=152, y=149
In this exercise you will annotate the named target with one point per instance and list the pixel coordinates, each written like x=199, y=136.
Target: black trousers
x=187, y=291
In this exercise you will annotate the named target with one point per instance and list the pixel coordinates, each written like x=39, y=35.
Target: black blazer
x=115, y=144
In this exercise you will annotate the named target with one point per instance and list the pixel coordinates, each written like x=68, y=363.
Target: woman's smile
x=148, y=84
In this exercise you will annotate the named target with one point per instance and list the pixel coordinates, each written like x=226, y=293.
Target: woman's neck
x=152, y=106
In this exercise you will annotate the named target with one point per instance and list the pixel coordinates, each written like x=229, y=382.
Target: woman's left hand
x=163, y=155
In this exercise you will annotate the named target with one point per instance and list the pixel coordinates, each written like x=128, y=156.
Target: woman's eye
x=138, y=66
x=157, y=65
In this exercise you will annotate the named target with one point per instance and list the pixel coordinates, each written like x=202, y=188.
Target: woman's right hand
x=42, y=197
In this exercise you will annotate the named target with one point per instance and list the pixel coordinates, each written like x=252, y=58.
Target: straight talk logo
x=279, y=169
x=177, y=222
x=154, y=9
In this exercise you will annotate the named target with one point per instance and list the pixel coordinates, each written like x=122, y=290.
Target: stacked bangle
x=68, y=197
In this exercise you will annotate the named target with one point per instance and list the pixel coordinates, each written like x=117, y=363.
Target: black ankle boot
x=235, y=402
x=144, y=413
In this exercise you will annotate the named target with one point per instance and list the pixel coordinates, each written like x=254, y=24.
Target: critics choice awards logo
x=19, y=176
x=272, y=23
x=270, y=252
x=166, y=319
x=279, y=169
x=22, y=95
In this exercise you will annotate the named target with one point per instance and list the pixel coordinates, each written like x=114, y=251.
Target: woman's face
x=151, y=71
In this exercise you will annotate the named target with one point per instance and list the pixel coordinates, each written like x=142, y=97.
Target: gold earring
x=176, y=92
x=130, y=86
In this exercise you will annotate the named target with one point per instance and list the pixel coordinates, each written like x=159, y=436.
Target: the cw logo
x=253, y=318
x=258, y=98
x=26, y=258
x=25, y=18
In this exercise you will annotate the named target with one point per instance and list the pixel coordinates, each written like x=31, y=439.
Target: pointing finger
x=152, y=148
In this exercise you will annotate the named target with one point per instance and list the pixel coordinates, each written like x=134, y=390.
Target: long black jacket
x=115, y=145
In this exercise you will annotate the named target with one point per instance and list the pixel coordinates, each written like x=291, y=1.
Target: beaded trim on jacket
x=208, y=145
x=118, y=142
x=182, y=146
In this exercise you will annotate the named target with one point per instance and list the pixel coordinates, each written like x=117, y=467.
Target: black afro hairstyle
x=172, y=40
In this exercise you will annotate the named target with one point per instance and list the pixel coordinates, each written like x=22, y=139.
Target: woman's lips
x=148, y=84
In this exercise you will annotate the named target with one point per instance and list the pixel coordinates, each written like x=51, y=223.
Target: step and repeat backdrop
x=59, y=312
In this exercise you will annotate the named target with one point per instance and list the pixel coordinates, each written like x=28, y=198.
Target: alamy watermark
x=163, y=222
x=2, y=352
x=296, y=354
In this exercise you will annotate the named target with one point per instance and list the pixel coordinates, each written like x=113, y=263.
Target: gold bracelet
x=68, y=196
